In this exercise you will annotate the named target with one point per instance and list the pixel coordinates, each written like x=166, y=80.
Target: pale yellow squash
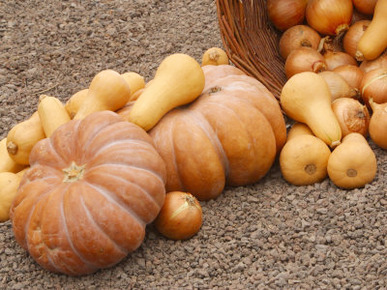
x=179, y=80
x=22, y=137
x=373, y=42
x=353, y=163
x=135, y=81
x=9, y=183
x=52, y=114
x=7, y=164
x=306, y=98
x=214, y=56
x=75, y=101
x=304, y=157
x=107, y=91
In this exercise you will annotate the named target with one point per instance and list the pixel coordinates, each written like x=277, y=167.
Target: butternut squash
x=378, y=124
x=374, y=40
x=52, y=114
x=7, y=164
x=107, y=91
x=298, y=129
x=179, y=80
x=214, y=56
x=303, y=159
x=22, y=137
x=74, y=102
x=352, y=164
x=306, y=98
x=135, y=81
x=21, y=172
x=9, y=183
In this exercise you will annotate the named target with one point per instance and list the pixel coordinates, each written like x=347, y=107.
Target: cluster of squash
x=336, y=88
x=81, y=180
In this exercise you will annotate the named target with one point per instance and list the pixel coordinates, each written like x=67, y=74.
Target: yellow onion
x=378, y=124
x=352, y=74
x=338, y=87
x=335, y=59
x=180, y=217
x=374, y=85
x=353, y=116
x=380, y=62
x=286, y=13
x=352, y=36
x=304, y=59
x=298, y=36
x=329, y=17
x=365, y=6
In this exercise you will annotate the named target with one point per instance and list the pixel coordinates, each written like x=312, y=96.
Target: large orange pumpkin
x=91, y=189
x=229, y=136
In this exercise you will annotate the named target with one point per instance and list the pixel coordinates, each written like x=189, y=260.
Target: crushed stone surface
x=269, y=235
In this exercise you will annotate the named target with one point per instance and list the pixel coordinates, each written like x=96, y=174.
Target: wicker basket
x=251, y=41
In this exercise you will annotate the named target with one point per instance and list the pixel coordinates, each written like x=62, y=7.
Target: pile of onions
x=353, y=117
x=374, y=85
x=335, y=59
x=338, y=87
x=329, y=17
x=353, y=35
x=298, y=36
x=304, y=59
x=378, y=124
x=286, y=13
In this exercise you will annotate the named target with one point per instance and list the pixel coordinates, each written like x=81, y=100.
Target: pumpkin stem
x=74, y=172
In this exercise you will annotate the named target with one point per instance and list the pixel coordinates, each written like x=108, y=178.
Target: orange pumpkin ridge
x=235, y=117
x=92, y=188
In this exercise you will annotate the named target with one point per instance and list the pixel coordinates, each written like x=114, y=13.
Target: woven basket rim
x=251, y=41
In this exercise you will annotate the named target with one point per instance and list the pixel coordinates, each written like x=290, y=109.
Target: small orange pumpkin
x=91, y=189
x=229, y=135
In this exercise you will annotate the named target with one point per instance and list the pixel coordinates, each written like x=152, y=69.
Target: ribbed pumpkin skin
x=229, y=136
x=77, y=227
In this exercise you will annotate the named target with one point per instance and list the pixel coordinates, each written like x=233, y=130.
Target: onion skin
x=338, y=87
x=374, y=85
x=181, y=216
x=365, y=6
x=353, y=116
x=378, y=124
x=353, y=35
x=286, y=13
x=296, y=37
x=352, y=74
x=304, y=59
x=329, y=17
x=380, y=62
x=335, y=59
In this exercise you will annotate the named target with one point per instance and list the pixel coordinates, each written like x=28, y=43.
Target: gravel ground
x=263, y=236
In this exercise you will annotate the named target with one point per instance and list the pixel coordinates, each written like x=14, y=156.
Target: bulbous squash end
x=12, y=148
